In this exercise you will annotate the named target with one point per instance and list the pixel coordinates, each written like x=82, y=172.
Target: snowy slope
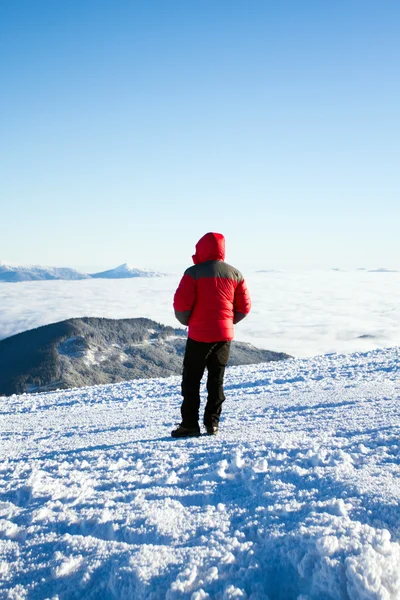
x=296, y=498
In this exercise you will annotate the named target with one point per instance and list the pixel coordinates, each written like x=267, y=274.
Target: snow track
x=296, y=498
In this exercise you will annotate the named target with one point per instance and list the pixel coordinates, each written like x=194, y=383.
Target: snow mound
x=296, y=498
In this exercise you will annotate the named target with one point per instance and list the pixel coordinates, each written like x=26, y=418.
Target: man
x=210, y=298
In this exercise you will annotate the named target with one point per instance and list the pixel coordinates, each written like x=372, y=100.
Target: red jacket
x=211, y=295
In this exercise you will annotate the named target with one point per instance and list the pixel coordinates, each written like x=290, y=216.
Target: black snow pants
x=198, y=356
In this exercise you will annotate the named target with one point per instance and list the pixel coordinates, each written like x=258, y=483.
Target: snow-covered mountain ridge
x=125, y=271
x=14, y=273
x=296, y=498
x=92, y=351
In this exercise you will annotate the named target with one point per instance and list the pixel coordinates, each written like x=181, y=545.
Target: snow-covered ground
x=302, y=313
x=296, y=498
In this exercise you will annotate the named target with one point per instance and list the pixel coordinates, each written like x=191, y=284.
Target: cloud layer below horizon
x=302, y=313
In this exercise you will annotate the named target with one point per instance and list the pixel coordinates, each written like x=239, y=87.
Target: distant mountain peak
x=124, y=268
x=16, y=273
x=125, y=271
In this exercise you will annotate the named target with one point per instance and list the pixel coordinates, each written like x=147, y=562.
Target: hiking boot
x=181, y=431
x=212, y=429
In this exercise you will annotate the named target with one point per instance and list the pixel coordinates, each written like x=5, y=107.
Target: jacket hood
x=210, y=247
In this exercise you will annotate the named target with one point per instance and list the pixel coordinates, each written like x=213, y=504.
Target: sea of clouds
x=302, y=313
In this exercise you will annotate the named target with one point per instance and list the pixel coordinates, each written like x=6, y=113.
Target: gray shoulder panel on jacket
x=214, y=269
x=190, y=272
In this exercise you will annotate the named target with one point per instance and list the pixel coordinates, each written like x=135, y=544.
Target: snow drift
x=296, y=498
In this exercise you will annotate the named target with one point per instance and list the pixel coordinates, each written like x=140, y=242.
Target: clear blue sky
x=128, y=129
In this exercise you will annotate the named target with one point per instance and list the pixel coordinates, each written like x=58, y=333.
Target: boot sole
x=185, y=435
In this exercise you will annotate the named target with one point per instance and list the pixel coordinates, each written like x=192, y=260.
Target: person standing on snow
x=210, y=298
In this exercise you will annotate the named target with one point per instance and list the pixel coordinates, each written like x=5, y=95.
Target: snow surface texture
x=300, y=313
x=296, y=498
